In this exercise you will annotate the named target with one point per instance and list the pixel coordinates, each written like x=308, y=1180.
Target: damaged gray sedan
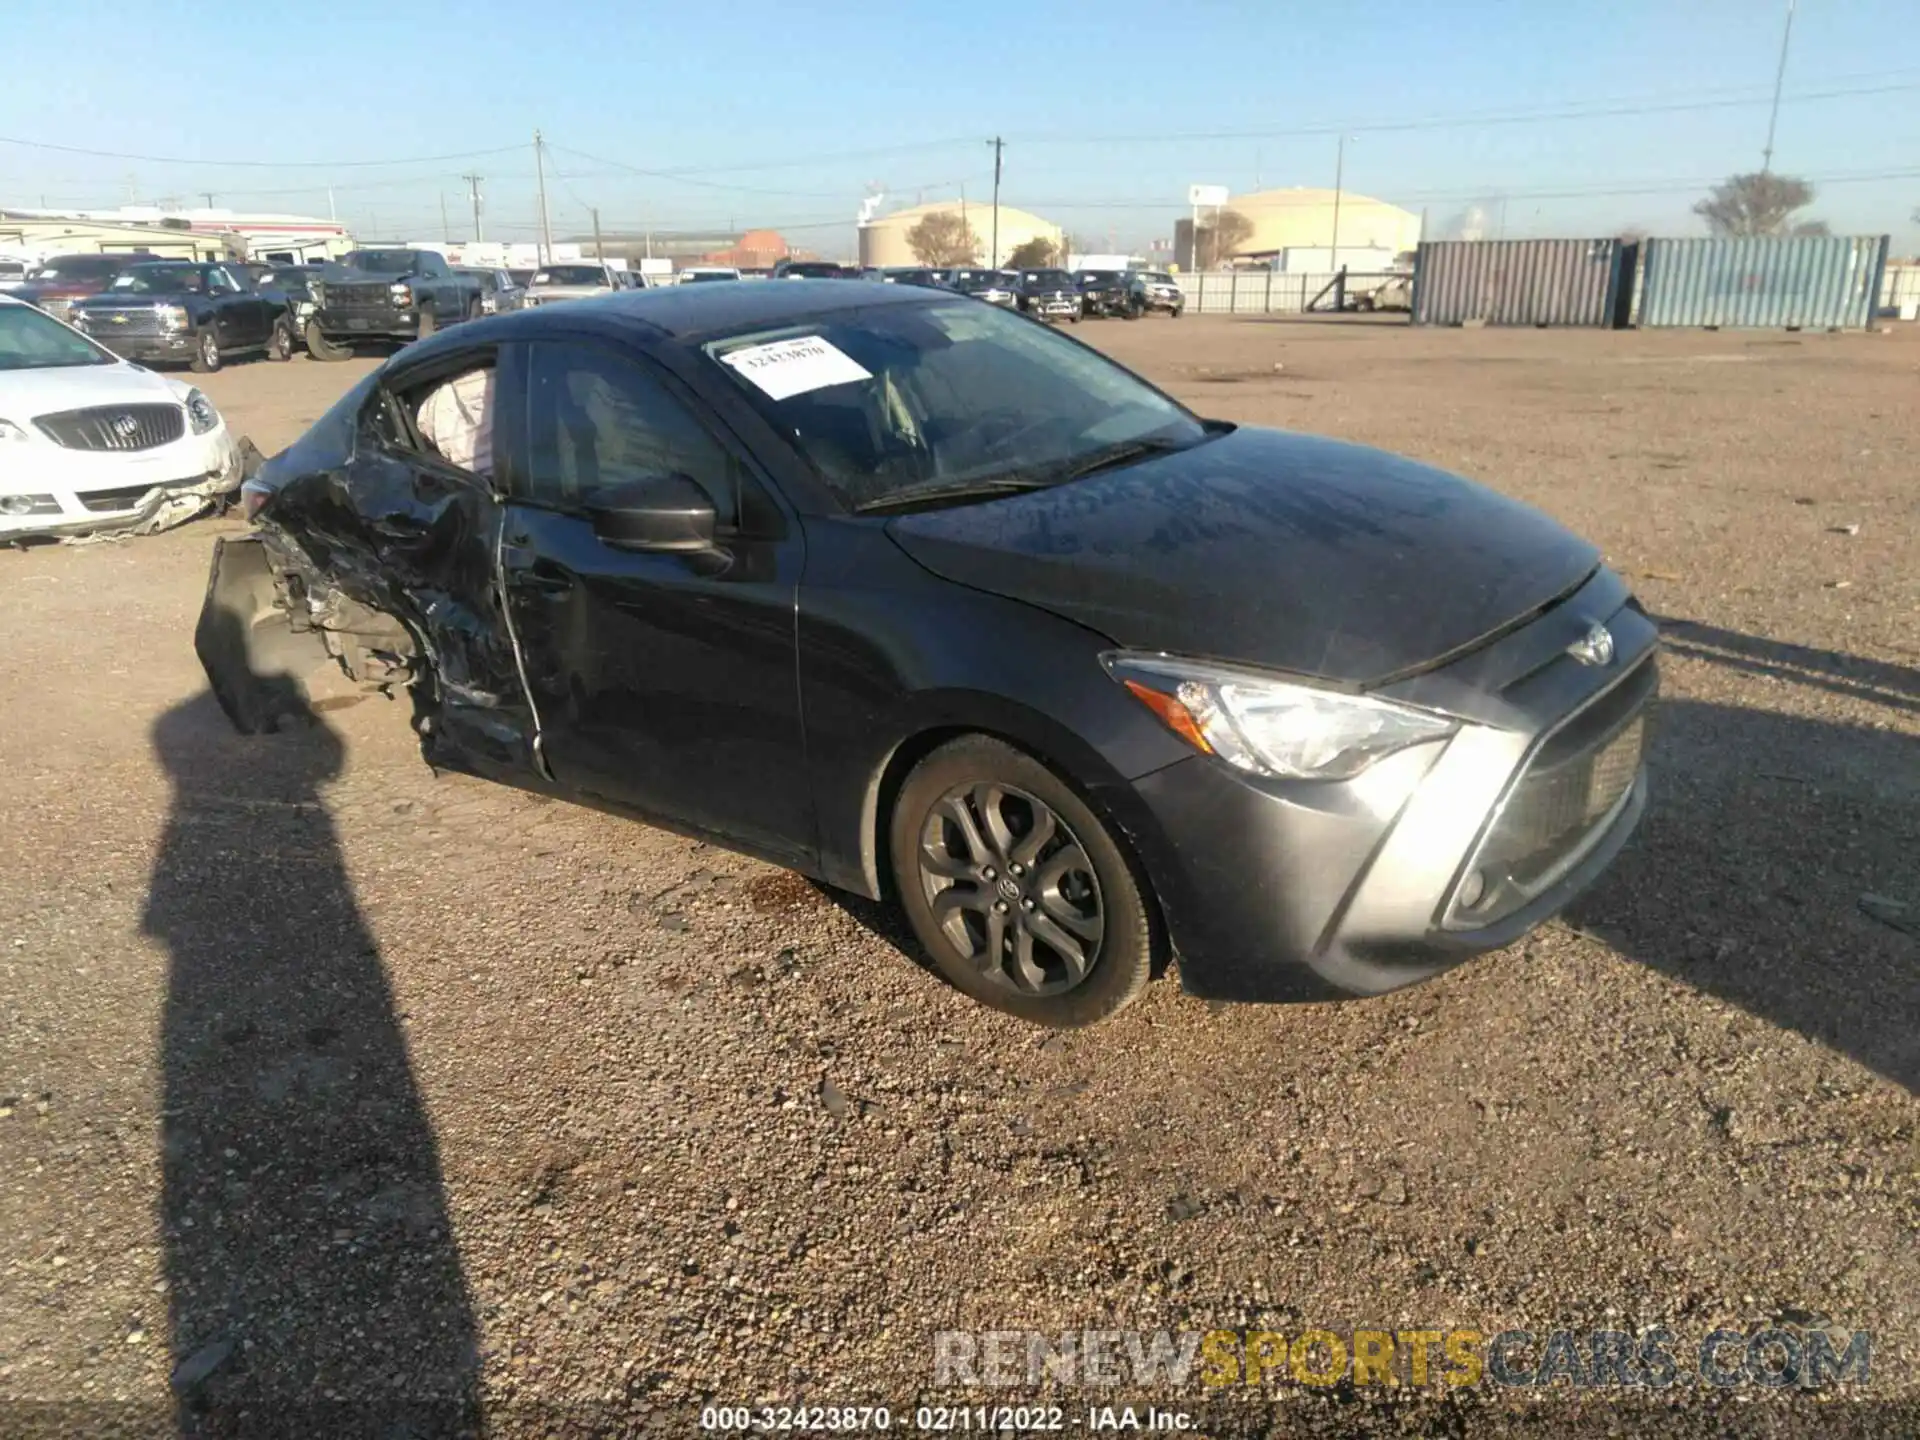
x=930, y=602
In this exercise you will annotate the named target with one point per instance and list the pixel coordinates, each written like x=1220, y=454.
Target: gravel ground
x=329, y=1087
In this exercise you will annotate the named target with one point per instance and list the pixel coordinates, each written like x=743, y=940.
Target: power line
x=256, y=164
x=1519, y=117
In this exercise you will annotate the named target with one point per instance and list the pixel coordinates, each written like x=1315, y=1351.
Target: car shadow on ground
x=314, y=1282
x=1884, y=683
x=1763, y=832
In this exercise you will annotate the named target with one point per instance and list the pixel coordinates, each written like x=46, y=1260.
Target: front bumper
x=109, y=494
x=1291, y=890
x=170, y=347
x=357, y=324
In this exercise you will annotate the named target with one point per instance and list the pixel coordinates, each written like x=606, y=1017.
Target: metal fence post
x=1233, y=292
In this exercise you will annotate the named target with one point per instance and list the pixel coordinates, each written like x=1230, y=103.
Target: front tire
x=321, y=348
x=428, y=324
x=206, y=353
x=280, y=342
x=475, y=310
x=1016, y=889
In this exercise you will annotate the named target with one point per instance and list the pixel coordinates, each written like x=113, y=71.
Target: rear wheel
x=206, y=353
x=280, y=342
x=321, y=348
x=1016, y=889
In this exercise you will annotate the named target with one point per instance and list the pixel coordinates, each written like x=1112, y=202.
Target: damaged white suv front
x=91, y=443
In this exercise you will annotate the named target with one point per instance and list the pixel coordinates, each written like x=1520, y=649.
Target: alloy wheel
x=1011, y=888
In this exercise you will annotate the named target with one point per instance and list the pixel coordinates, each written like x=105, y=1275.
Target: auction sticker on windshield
x=785, y=368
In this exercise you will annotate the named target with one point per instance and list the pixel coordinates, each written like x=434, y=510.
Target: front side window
x=891, y=402
x=596, y=418
x=30, y=340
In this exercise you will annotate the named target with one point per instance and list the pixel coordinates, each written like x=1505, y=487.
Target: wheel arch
x=953, y=715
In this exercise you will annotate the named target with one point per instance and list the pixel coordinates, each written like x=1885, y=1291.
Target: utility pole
x=599, y=250
x=446, y=230
x=207, y=195
x=473, y=193
x=1339, y=175
x=998, y=145
x=540, y=173
x=332, y=214
x=1779, y=77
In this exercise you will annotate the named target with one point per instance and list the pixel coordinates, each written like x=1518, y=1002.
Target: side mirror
x=656, y=513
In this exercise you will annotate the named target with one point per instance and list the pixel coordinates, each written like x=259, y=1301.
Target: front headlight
x=201, y=412
x=172, y=317
x=400, y=295
x=1269, y=726
x=11, y=431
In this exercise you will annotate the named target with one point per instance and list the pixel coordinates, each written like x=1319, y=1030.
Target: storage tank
x=883, y=240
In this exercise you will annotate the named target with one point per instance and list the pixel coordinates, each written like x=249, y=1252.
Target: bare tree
x=1216, y=241
x=1034, y=254
x=943, y=238
x=1758, y=204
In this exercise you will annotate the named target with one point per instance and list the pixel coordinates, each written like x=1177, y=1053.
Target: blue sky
x=1564, y=117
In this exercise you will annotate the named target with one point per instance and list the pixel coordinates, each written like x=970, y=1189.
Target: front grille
x=115, y=427
x=122, y=497
x=1574, y=782
x=358, y=297
x=108, y=325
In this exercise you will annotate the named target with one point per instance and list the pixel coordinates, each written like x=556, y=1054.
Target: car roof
x=677, y=312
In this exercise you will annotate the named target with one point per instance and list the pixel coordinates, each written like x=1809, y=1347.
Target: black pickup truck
x=387, y=294
x=189, y=312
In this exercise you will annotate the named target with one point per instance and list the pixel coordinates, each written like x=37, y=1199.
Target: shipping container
x=1521, y=282
x=1813, y=282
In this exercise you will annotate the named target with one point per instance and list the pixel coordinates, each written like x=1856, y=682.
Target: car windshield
x=521, y=277
x=571, y=275
x=899, y=403
x=80, y=267
x=379, y=262
x=160, y=280
x=982, y=282
x=814, y=269
x=30, y=340
x=1046, y=278
x=1101, y=277
x=698, y=275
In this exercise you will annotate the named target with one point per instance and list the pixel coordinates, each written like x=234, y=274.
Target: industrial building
x=1311, y=223
x=883, y=239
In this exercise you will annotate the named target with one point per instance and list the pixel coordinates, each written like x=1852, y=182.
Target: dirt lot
x=326, y=1080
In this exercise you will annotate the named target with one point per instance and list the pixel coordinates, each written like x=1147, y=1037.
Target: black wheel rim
x=1011, y=888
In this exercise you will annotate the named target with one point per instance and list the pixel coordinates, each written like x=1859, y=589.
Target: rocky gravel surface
x=337, y=1097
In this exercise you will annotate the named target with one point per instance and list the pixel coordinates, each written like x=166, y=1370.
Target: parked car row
x=1051, y=294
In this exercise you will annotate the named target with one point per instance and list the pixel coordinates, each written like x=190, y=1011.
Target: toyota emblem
x=1593, y=648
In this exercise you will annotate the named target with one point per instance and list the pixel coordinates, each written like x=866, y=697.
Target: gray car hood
x=1265, y=548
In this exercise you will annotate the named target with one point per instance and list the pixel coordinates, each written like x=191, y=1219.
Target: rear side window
x=596, y=418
